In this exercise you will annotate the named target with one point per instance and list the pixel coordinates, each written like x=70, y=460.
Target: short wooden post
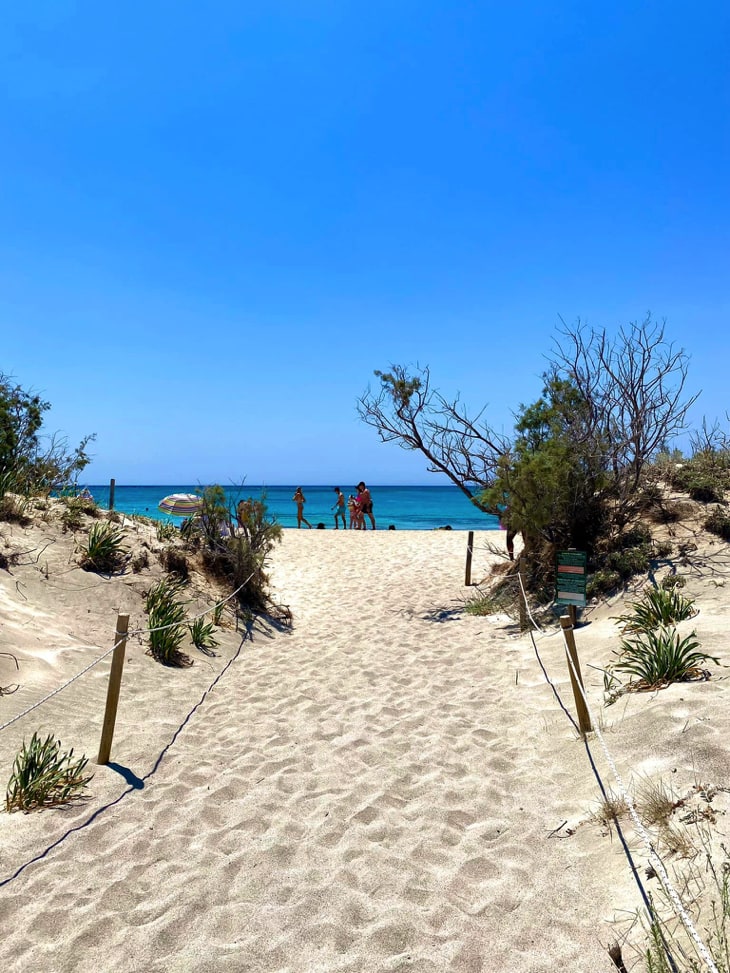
x=112, y=485
x=576, y=680
x=469, y=551
x=112, y=693
x=521, y=595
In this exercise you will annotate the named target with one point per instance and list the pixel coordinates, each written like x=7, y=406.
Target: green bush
x=706, y=490
x=240, y=560
x=719, y=523
x=602, y=582
x=166, y=617
x=671, y=581
x=658, y=607
x=629, y=560
x=658, y=657
x=103, y=551
x=44, y=776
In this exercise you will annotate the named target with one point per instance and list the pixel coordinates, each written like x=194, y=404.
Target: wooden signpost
x=570, y=581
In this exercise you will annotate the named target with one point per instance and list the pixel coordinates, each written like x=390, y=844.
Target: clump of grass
x=166, y=530
x=658, y=606
x=658, y=657
x=44, y=776
x=719, y=523
x=14, y=509
x=103, y=551
x=657, y=802
x=167, y=623
x=610, y=808
x=75, y=509
x=202, y=634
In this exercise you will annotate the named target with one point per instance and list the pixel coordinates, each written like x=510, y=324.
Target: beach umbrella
x=181, y=504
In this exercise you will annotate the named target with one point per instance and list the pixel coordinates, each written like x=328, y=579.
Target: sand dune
x=390, y=785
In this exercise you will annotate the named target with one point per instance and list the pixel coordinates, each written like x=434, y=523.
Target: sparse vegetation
x=167, y=623
x=202, y=634
x=175, y=562
x=658, y=606
x=238, y=556
x=719, y=523
x=103, y=552
x=75, y=509
x=166, y=530
x=44, y=776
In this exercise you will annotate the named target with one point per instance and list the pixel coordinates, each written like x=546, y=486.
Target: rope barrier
x=654, y=857
x=139, y=631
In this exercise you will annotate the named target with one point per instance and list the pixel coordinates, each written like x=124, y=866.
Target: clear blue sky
x=218, y=219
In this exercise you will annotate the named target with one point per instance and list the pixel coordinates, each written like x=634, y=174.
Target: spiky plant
x=203, y=634
x=661, y=656
x=103, y=551
x=167, y=623
x=44, y=776
x=658, y=607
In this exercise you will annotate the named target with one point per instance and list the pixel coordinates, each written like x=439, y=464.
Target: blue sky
x=217, y=220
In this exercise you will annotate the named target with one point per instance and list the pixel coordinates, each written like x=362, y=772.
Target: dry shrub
x=174, y=561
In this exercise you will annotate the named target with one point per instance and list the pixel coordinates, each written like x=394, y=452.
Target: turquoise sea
x=406, y=507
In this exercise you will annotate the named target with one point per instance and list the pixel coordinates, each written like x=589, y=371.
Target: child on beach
x=352, y=507
x=299, y=499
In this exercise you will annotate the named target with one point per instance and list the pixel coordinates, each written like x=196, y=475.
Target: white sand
x=389, y=786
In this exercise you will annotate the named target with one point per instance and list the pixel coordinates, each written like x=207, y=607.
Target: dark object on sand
x=446, y=527
x=320, y=526
x=391, y=526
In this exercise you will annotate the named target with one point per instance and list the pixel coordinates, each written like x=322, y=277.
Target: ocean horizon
x=405, y=507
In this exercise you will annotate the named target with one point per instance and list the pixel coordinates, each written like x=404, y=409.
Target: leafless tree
x=634, y=386
x=405, y=409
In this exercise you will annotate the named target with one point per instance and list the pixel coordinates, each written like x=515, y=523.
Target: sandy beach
x=391, y=785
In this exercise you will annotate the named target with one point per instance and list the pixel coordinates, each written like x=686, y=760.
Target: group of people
x=355, y=509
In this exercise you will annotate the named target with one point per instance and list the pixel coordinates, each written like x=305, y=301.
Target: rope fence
x=659, y=867
x=136, y=632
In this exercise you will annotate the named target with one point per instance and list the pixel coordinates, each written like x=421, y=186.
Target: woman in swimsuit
x=366, y=504
x=299, y=499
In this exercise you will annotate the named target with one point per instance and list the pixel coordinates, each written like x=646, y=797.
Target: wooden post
x=576, y=680
x=521, y=595
x=469, y=550
x=112, y=693
x=112, y=485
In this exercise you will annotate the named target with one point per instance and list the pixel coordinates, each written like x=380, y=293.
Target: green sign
x=570, y=578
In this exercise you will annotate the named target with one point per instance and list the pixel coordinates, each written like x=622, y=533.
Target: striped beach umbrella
x=181, y=504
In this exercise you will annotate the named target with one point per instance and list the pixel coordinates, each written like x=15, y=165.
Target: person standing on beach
x=366, y=504
x=339, y=509
x=299, y=499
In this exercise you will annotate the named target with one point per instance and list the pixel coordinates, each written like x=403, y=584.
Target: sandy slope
x=389, y=786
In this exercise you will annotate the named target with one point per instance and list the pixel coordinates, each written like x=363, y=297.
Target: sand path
x=372, y=791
